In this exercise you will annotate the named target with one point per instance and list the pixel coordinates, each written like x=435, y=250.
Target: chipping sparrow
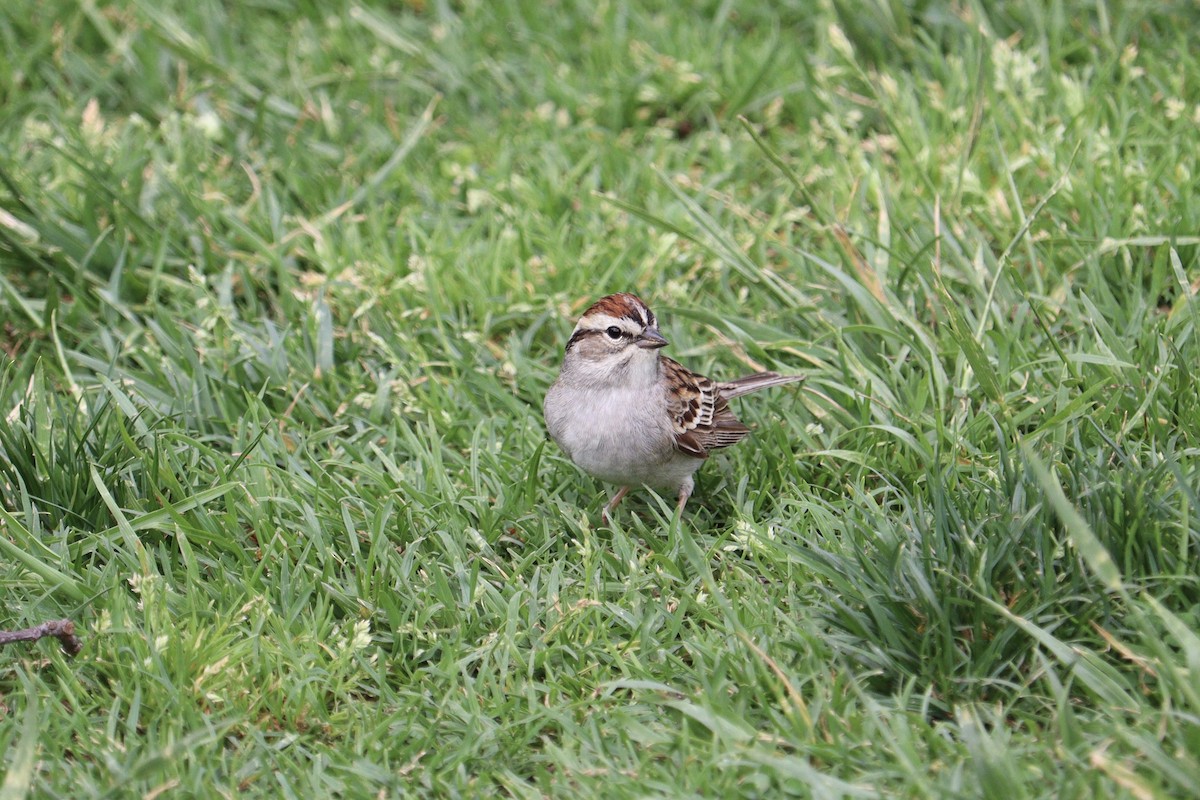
x=630, y=416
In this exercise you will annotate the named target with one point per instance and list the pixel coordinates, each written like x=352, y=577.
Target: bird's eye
x=613, y=332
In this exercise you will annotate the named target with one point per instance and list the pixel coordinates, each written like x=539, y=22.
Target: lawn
x=283, y=284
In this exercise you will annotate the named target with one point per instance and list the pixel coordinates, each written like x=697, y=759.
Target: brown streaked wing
x=699, y=413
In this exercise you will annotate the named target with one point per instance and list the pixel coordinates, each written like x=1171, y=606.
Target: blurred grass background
x=282, y=285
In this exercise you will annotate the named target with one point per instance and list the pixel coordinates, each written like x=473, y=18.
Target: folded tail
x=759, y=380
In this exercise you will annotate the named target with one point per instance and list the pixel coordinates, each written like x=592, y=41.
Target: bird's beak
x=651, y=339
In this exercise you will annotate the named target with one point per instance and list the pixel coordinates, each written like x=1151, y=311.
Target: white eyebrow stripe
x=600, y=322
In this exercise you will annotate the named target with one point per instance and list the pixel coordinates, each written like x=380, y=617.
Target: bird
x=627, y=414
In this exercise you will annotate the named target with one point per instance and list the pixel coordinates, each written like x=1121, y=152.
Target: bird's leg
x=606, y=514
x=685, y=491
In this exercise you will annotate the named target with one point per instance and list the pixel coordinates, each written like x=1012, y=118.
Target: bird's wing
x=700, y=415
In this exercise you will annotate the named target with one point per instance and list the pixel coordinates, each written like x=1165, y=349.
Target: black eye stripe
x=576, y=336
x=631, y=322
x=583, y=333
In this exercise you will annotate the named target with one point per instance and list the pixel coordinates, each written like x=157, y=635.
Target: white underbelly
x=617, y=437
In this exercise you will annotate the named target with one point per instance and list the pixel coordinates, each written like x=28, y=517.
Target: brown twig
x=62, y=629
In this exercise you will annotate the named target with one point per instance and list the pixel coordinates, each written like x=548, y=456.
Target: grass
x=282, y=287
